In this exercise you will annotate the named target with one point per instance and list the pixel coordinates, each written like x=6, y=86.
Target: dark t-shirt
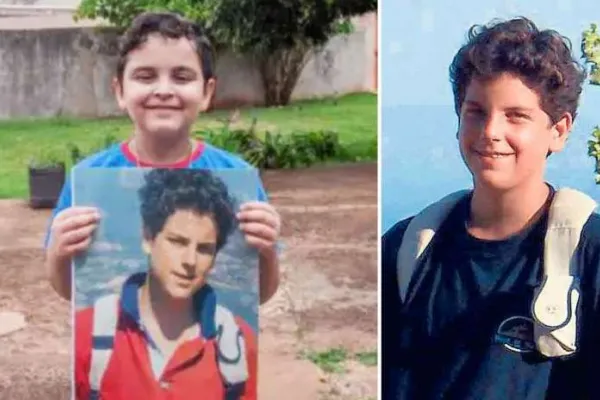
x=465, y=330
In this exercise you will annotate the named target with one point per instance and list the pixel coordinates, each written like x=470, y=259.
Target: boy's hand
x=71, y=232
x=260, y=223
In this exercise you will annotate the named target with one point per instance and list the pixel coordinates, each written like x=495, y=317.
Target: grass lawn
x=354, y=117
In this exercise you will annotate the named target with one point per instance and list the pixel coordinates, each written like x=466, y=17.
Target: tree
x=590, y=47
x=278, y=34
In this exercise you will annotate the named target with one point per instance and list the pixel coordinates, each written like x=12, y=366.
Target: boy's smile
x=504, y=134
x=163, y=88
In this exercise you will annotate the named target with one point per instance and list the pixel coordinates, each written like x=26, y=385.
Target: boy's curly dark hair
x=541, y=58
x=166, y=191
x=168, y=25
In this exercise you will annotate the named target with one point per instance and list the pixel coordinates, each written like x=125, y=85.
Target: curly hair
x=541, y=58
x=166, y=191
x=168, y=25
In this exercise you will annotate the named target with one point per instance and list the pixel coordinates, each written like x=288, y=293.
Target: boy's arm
x=59, y=274
x=267, y=241
x=59, y=271
x=70, y=232
x=269, y=275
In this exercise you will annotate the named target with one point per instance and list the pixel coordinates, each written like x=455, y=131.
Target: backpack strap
x=555, y=303
x=418, y=235
x=106, y=318
x=231, y=353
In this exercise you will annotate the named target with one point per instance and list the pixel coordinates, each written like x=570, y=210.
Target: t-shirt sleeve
x=250, y=389
x=64, y=201
x=83, y=352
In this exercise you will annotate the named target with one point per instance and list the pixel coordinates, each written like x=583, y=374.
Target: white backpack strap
x=231, y=353
x=106, y=317
x=418, y=235
x=555, y=303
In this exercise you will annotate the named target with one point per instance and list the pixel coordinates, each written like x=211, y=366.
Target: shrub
x=271, y=150
x=47, y=159
x=77, y=154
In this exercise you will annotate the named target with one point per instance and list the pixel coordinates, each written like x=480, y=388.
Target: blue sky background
x=420, y=159
x=116, y=251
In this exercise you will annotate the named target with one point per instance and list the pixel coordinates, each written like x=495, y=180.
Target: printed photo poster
x=166, y=235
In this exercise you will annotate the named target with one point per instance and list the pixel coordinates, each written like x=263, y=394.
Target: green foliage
x=77, y=154
x=594, y=150
x=245, y=25
x=330, y=361
x=590, y=47
x=266, y=26
x=120, y=13
x=367, y=358
x=269, y=150
x=47, y=158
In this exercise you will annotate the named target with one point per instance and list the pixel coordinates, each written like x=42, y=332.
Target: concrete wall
x=49, y=72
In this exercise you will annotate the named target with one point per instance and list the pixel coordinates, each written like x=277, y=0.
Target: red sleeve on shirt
x=83, y=352
x=252, y=358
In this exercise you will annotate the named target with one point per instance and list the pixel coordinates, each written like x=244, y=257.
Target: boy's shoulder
x=391, y=242
x=591, y=231
x=112, y=156
x=395, y=233
x=215, y=157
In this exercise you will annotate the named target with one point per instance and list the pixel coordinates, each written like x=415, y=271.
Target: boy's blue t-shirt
x=205, y=156
x=465, y=331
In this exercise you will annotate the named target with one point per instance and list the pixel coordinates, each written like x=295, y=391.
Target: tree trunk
x=280, y=71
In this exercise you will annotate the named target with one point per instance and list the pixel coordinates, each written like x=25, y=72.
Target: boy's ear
x=117, y=89
x=145, y=242
x=209, y=92
x=560, y=133
x=146, y=246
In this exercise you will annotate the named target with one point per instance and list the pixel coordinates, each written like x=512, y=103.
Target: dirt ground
x=327, y=298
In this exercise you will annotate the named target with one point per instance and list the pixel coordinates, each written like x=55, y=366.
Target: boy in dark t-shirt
x=464, y=329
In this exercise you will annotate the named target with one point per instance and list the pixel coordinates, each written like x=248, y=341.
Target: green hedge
x=264, y=150
x=268, y=150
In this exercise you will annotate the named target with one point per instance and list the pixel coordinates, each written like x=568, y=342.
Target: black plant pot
x=45, y=185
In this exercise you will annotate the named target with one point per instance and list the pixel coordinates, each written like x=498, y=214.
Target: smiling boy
x=464, y=325
x=164, y=79
x=165, y=332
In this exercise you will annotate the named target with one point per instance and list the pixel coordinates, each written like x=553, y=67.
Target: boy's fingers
x=259, y=230
x=258, y=216
x=76, y=222
x=258, y=243
x=75, y=211
x=78, y=235
x=78, y=247
x=258, y=205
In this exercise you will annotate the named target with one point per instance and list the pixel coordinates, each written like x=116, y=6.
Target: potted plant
x=46, y=179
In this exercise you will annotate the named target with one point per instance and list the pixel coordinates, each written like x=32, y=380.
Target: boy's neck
x=497, y=216
x=153, y=151
x=174, y=318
